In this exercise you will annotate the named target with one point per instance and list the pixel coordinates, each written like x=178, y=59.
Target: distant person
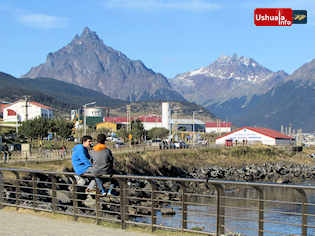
x=81, y=163
x=63, y=151
x=103, y=162
x=6, y=152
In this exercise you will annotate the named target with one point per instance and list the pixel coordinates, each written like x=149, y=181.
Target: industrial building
x=218, y=127
x=153, y=121
x=253, y=135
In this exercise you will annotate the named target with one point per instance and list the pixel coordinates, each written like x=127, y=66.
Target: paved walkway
x=23, y=224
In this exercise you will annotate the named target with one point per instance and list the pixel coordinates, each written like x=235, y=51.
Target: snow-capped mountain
x=227, y=77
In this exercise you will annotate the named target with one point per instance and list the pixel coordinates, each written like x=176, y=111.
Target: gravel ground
x=23, y=224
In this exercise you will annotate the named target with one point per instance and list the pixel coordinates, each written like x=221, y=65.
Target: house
x=218, y=127
x=21, y=111
x=252, y=135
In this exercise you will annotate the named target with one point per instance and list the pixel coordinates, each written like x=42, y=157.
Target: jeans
x=99, y=182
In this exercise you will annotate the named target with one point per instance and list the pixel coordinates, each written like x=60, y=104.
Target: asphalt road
x=23, y=224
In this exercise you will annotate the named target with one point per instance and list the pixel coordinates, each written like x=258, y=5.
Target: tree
x=137, y=130
x=123, y=134
x=62, y=127
x=158, y=133
x=35, y=128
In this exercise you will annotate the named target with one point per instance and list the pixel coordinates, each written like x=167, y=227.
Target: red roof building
x=20, y=111
x=252, y=135
x=218, y=127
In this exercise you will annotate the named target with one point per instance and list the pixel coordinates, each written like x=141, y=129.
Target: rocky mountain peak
x=235, y=59
x=227, y=77
x=86, y=61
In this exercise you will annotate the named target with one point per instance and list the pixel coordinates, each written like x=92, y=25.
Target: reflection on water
x=282, y=217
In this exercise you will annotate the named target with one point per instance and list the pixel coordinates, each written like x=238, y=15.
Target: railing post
x=53, y=193
x=260, y=211
x=97, y=206
x=34, y=188
x=304, y=211
x=123, y=202
x=153, y=205
x=184, y=206
x=17, y=189
x=220, y=209
x=74, y=197
x=1, y=189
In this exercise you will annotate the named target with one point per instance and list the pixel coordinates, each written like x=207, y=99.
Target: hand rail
x=205, y=206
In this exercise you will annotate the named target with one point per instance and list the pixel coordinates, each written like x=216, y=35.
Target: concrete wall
x=218, y=130
x=165, y=115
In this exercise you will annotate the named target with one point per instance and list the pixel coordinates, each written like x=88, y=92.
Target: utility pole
x=26, y=107
x=193, y=128
x=128, y=118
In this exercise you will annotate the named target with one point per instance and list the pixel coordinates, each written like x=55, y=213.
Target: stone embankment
x=268, y=172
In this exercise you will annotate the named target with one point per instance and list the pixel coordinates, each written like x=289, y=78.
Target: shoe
x=90, y=191
x=103, y=194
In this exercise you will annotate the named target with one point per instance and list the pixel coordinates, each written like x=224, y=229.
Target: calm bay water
x=281, y=217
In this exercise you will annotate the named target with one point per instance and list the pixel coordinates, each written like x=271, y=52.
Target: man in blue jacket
x=81, y=161
x=80, y=156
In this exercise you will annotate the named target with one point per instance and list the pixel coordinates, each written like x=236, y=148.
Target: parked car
x=70, y=138
x=180, y=145
x=156, y=142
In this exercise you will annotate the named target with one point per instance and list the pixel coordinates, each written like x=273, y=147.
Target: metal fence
x=187, y=205
x=54, y=155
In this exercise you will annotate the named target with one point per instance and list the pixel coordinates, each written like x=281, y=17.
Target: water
x=281, y=217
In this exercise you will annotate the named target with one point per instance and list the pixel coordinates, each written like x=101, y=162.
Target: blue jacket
x=80, y=159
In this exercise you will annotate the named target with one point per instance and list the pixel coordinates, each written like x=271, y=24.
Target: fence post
x=184, y=207
x=1, y=189
x=153, y=205
x=74, y=197
x=53, y=193
x=34, y=187
x=123, y=202
x=220, y=209
x=304, y=211
x=260, y=211
x=17, y=189
x=97, y=206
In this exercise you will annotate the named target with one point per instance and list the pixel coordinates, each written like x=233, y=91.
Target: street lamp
x=84, y=122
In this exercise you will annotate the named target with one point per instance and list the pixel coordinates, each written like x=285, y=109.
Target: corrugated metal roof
x=264, y=131
x=187, y=121
x=218, y=125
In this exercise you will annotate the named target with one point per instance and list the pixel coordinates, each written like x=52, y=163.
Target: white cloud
x=43, y=21
x=185, y=5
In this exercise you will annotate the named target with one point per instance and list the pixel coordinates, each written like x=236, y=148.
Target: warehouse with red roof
x=253, y=135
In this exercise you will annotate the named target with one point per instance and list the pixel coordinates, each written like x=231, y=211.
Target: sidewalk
x=23, y=224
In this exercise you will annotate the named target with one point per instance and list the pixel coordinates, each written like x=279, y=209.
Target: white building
x=253, y=135
x=218, y=127
x=18, y=111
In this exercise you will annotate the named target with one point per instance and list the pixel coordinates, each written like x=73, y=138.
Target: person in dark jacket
x=103, y=161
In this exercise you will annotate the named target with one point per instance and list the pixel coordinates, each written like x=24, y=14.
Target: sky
x=168, y=36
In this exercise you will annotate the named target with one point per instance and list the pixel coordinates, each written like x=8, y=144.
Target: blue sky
x=169, y=36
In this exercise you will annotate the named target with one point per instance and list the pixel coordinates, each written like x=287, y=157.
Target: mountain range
x=227, y=78
x=233, y=87
x=58, y=94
